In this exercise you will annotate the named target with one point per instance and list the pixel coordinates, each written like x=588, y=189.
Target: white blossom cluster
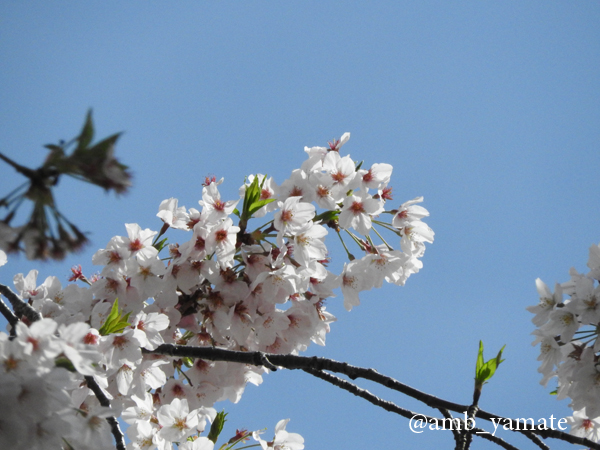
x=568, y=323
x=226, y=287
x=38, y=395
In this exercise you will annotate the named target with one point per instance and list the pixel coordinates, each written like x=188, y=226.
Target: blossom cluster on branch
x=568, y=324
x=228, y=286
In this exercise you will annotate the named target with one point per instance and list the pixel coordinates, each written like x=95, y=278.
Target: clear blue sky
x=490, y=110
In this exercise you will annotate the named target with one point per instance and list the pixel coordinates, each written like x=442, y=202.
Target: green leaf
x=87, y=133
x=252, y=200
x=259, y=204
x=479, y=359
x=217, y=426
x=250, y=197
x=112, y=316
x=484, y=371
x=56, y=157
x=160, y=245
x=105, y=145
x=116, y=321
x=65, y=363
x=327, y=216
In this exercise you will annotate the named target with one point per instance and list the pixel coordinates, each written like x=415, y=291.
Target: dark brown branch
x=10, y=316
x=353, y=372
x=21, y=308
x=496, y=440
x=363, y=393
x=392, y=407
x=112, y=421
x=455, y=433
x=536, y=440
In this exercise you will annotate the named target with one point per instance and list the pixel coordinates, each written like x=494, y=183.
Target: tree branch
x=10, y=316
x=21, y=308
x=363, y=393
x=29, y=173
x=112, y=421
x=392, y=407
x=455, y=433
x=353, y=372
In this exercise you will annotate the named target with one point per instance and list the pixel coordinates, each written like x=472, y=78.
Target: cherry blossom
x=225, y=285
x=357, y=211
x=583, y=426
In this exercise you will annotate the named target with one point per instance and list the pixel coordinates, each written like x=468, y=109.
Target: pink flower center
x=221, y=235
x=77, y=274
x=112, y=285
x=286, y=215
x=296, y=192
x=386, y=193
x=120, y=342
x=114, y=257
x=34, y=342
x=322, y=191
x=357, y=208
x=348, y=280
x=209, y=180
x=339, y=177
x=10, y=364
x=90, y=339
x=178, y=391
x=202, y=365
x=135, y=245
x=219, y=205
x=180, y=423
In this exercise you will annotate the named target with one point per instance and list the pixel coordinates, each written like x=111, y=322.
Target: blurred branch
x=48, y=233
x=19, y=168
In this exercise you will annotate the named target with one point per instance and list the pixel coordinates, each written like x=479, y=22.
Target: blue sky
x=490, y=110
